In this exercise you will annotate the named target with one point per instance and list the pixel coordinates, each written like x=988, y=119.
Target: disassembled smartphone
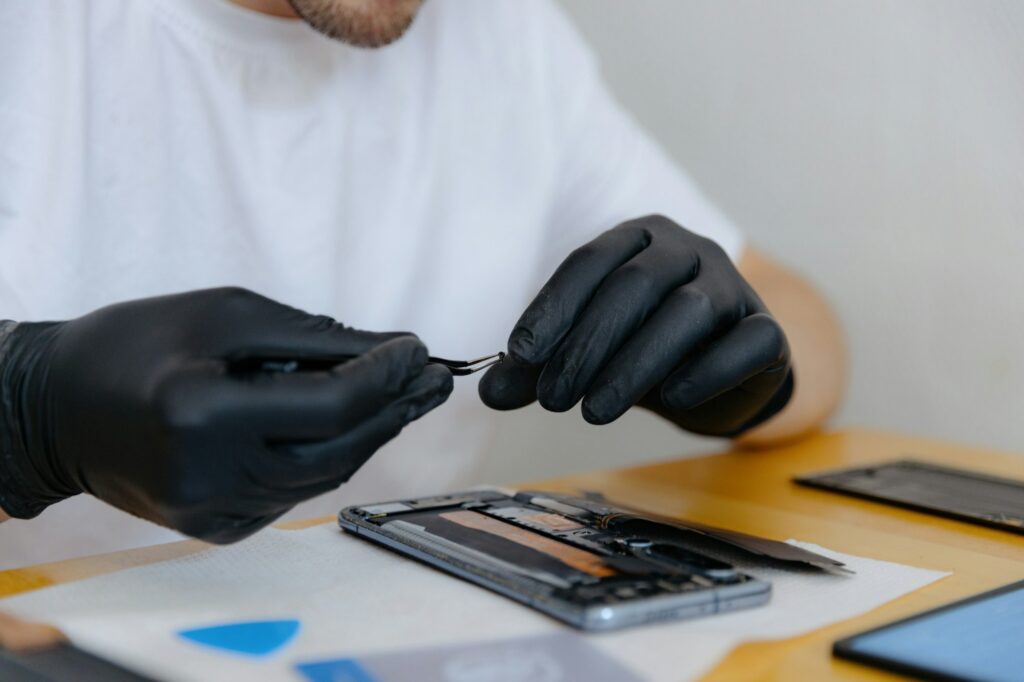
x=587, y=563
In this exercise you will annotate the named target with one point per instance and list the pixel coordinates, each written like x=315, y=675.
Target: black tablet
x=979, y=639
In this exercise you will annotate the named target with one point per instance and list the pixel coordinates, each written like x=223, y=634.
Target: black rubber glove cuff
x=29, y=482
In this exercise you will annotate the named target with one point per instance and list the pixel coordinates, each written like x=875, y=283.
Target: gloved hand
x=137, y=404
x=647, y=313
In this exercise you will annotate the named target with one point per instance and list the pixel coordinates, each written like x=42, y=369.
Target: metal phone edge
x=710, y=601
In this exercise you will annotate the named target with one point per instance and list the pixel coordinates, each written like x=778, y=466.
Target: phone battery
x=954, y=493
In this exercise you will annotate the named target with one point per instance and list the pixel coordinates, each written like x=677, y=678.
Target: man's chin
x=362, y=23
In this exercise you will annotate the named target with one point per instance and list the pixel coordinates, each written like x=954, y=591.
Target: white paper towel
x=354, y=598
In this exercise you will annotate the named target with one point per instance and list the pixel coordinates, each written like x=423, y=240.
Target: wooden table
x=751, y=491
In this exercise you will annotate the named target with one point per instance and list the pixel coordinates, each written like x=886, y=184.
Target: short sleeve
x=610, y=169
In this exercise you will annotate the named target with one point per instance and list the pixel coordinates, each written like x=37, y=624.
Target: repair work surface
x=746, y=491
x=354, y=601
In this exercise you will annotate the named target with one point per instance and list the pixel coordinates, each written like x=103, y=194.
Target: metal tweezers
x=459, y=368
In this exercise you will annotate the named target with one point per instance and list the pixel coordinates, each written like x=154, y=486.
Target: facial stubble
x=362, y=23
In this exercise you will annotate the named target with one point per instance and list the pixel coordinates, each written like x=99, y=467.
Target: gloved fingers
x=224, y=528
x=687, y=318
x=310, y=405
x=509, y=385
x=203, y=508
x=756, y=344
x=327, y=404
x=741, y=408
x=623, y=301
x=309, y=340
x=249, y=325
x=259, y=493
x=337, y=459
x=549, y=317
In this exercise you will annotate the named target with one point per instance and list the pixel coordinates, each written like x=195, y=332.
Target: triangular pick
x=255, y=638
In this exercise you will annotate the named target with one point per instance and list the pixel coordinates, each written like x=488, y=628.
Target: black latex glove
x=647, y=313
x=136, y=404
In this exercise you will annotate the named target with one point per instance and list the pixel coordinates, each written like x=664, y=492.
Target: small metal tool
x=459, y=368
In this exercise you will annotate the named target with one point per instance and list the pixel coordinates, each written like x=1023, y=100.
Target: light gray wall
x=875, y=146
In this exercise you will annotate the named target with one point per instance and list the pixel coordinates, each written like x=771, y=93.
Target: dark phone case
x=939, y=490
x=61, y=663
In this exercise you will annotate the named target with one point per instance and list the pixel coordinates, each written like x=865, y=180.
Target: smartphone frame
x=715, y=599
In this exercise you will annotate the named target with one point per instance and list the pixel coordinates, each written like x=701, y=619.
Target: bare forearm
x=816, y=343
x=3, y=516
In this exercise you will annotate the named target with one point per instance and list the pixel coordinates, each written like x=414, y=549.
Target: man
x=212, y=150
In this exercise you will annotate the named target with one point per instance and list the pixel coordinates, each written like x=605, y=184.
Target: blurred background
x=875, y=146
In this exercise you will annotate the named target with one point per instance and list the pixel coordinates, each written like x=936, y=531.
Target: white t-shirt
x=155, y=146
